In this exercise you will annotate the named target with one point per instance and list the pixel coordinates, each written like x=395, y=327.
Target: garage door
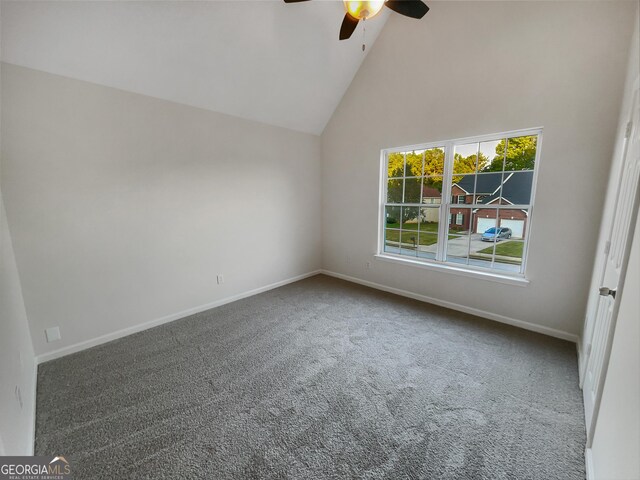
x=484, y=224
x=516, y=226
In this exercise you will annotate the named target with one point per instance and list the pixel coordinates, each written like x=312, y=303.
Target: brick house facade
x=490, y=189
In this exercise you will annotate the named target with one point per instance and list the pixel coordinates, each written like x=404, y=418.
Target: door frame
x=584, y=360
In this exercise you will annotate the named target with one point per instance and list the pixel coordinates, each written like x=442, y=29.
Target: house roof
x=516, y=187
x=430, y=192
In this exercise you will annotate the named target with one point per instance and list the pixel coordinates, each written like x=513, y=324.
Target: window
x=466, y=203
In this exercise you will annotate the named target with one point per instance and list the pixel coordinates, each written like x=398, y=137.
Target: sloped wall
x=472, y=68
x=125, y=208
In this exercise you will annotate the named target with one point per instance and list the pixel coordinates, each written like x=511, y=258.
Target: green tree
x=434, y=162
x=397, y=165
x=434, y=168
x=466, y=165
x=433, y=171
x=520, y=154
x=433, y=165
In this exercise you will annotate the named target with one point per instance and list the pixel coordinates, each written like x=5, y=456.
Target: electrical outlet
x=368, y=265
x=52, y=334
x=220, y=279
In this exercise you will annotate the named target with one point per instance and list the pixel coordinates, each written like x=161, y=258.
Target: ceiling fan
x=363, y=10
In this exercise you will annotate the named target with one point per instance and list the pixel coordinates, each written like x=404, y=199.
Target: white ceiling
x=268, y=61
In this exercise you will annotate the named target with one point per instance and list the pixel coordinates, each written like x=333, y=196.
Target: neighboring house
x=430, y=196
x=492, y=189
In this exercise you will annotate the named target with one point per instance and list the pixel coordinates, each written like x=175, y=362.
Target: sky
x=488, y=149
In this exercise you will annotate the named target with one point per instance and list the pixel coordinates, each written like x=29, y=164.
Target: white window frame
x=440, y=263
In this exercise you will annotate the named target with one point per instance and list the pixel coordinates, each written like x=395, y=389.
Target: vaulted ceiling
x=260, y=60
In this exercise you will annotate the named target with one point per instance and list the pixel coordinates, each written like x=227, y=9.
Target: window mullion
x=446, y=200
x=384, y=170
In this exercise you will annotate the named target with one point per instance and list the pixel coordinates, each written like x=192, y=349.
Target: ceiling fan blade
x=408, y=8
x=295, y=1
x=349, y=24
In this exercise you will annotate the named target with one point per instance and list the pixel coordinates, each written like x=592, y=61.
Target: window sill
x=517, y=280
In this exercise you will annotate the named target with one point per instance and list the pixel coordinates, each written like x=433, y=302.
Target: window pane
x=514, y=222
x=392, y=217
x=494, y=154
x=394, y=190
x=508, y=255
x=485, y=220
x=497, y=229
x=409, y=243
x=458, y=235
x=428, y=232
x=434, y=161
x=410, y=218
x=489, y=159
x=412, y=189
x=462, y=185
x=516, y=188
x=465, y=158
x=392, y=241
x=395, y=167
x=413, y=163
x=409, y=234
x=489, y=187
x=482, y=220
x=432, y=190
x=520, y=153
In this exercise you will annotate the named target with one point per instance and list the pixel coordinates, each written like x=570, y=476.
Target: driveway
x=457, y=247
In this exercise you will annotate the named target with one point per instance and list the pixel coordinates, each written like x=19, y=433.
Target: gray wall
x=17, y=363
x=124, y=208
x=472, y=68
x=17, y=367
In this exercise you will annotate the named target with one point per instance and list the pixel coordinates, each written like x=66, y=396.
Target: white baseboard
x=588, y=463
x=461, y=308
x=581, y=359
x=45, y=357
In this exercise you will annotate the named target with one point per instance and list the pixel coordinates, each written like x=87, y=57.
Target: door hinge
x=627, y=134
x=607, y=247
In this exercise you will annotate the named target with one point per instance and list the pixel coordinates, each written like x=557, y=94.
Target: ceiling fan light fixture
x=363, y=10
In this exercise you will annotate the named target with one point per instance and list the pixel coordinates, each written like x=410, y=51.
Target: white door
x=516, y=226
x=600, y=327
x=484, y=224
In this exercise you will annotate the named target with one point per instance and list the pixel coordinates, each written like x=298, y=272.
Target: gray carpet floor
x=320, y=379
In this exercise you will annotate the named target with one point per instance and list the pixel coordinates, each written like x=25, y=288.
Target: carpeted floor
x=320, y=379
